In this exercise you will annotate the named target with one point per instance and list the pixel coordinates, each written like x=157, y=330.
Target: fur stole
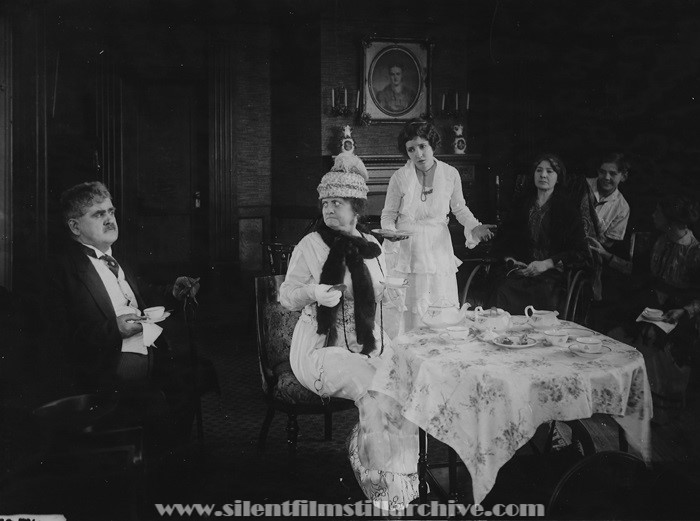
x=349, y=252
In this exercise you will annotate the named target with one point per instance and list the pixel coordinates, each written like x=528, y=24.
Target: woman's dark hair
x=418, y=128
x=556, y=163
x=679, y=209
x=359, y=206
x=618, y=158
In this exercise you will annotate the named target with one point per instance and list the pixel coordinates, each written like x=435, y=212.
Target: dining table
x=485, y=401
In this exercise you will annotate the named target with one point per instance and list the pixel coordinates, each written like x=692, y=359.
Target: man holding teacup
x=93, y=309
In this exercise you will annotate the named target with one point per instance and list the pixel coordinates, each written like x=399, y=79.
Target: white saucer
x=514, y=341
x=394, y=234
x=457, y=328
x=156, y=320
x=574, y=333
x=576, y=349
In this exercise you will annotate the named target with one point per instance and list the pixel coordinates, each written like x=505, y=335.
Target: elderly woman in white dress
x=418, y=200
x=335, y=276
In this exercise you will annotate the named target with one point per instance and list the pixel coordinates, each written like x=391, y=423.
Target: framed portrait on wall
x=396, y=82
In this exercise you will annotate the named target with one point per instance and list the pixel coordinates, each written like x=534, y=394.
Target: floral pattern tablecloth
x=487, y=401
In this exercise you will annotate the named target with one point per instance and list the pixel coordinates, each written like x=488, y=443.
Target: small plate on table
x=392, y=234
x=514, y=341
x=573, y=333
x=584, y=351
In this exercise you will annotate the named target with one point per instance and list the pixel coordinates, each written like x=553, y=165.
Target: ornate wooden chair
x=282, y=390
x=579, y=291
x=277, y=256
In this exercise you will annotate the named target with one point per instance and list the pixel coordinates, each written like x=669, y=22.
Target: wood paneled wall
x=240, y=148
x=5, y=153
x=30, y=162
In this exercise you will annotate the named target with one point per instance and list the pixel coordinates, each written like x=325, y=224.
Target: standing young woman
x=419, y=198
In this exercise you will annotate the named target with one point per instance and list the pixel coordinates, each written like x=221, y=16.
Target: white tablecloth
x=487, y=401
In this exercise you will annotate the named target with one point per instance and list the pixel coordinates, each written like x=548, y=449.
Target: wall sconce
x=456, y=112
x=339, y=103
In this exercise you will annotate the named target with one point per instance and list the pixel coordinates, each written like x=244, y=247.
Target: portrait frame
x=396, y=84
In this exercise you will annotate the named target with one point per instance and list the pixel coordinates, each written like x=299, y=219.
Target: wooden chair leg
x=580, y=435
x=550, y=437
x=452, y=473
x=265, y=428
x=622, y=437
x=292, y=434
x=422, y=466
x=328, y=426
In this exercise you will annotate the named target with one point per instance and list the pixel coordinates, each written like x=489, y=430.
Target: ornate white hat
x=347, y=178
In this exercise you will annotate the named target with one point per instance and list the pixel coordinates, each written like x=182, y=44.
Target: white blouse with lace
x=426, y=258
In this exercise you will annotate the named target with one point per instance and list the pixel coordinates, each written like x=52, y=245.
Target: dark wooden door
x=170, y=179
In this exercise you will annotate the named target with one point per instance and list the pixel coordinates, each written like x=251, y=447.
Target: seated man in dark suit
x=94, y=310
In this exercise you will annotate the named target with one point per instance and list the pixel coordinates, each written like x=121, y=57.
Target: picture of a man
x=396, y=96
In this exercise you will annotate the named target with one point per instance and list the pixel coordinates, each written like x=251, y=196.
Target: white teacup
x=556, y=337
x=653, y=313
x=154, y=313
x=590, y=344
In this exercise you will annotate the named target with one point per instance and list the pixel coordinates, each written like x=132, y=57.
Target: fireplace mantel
x=382, y=167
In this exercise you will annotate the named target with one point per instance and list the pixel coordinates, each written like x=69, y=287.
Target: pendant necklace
x=425, y=193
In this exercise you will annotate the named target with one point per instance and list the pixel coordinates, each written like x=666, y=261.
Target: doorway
x=168, y=142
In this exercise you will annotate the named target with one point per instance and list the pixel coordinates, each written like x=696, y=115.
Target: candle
x=332, y=97
x=498, y=181
x=468, y=94
x=443, y=102
x=456, y=100
x=357, y=100
x=346, y=98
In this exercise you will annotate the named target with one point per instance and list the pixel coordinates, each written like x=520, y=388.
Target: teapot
x=541, y=318
x=494, y=319
x=444, y=313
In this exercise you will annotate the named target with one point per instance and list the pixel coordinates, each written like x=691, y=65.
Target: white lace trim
x=390, y=491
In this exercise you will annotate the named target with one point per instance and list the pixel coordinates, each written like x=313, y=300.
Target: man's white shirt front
x=612, y=210
x=124, y=302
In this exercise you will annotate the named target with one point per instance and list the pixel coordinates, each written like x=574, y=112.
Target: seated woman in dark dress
x=542, y=236
x=668, y=280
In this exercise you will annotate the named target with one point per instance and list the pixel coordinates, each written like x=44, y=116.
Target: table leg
x=452, y=473
x=422, y=466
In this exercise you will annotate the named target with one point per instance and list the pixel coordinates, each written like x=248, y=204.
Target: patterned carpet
x=230, y=468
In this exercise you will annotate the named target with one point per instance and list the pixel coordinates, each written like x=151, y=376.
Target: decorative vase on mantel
x=459, y=144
